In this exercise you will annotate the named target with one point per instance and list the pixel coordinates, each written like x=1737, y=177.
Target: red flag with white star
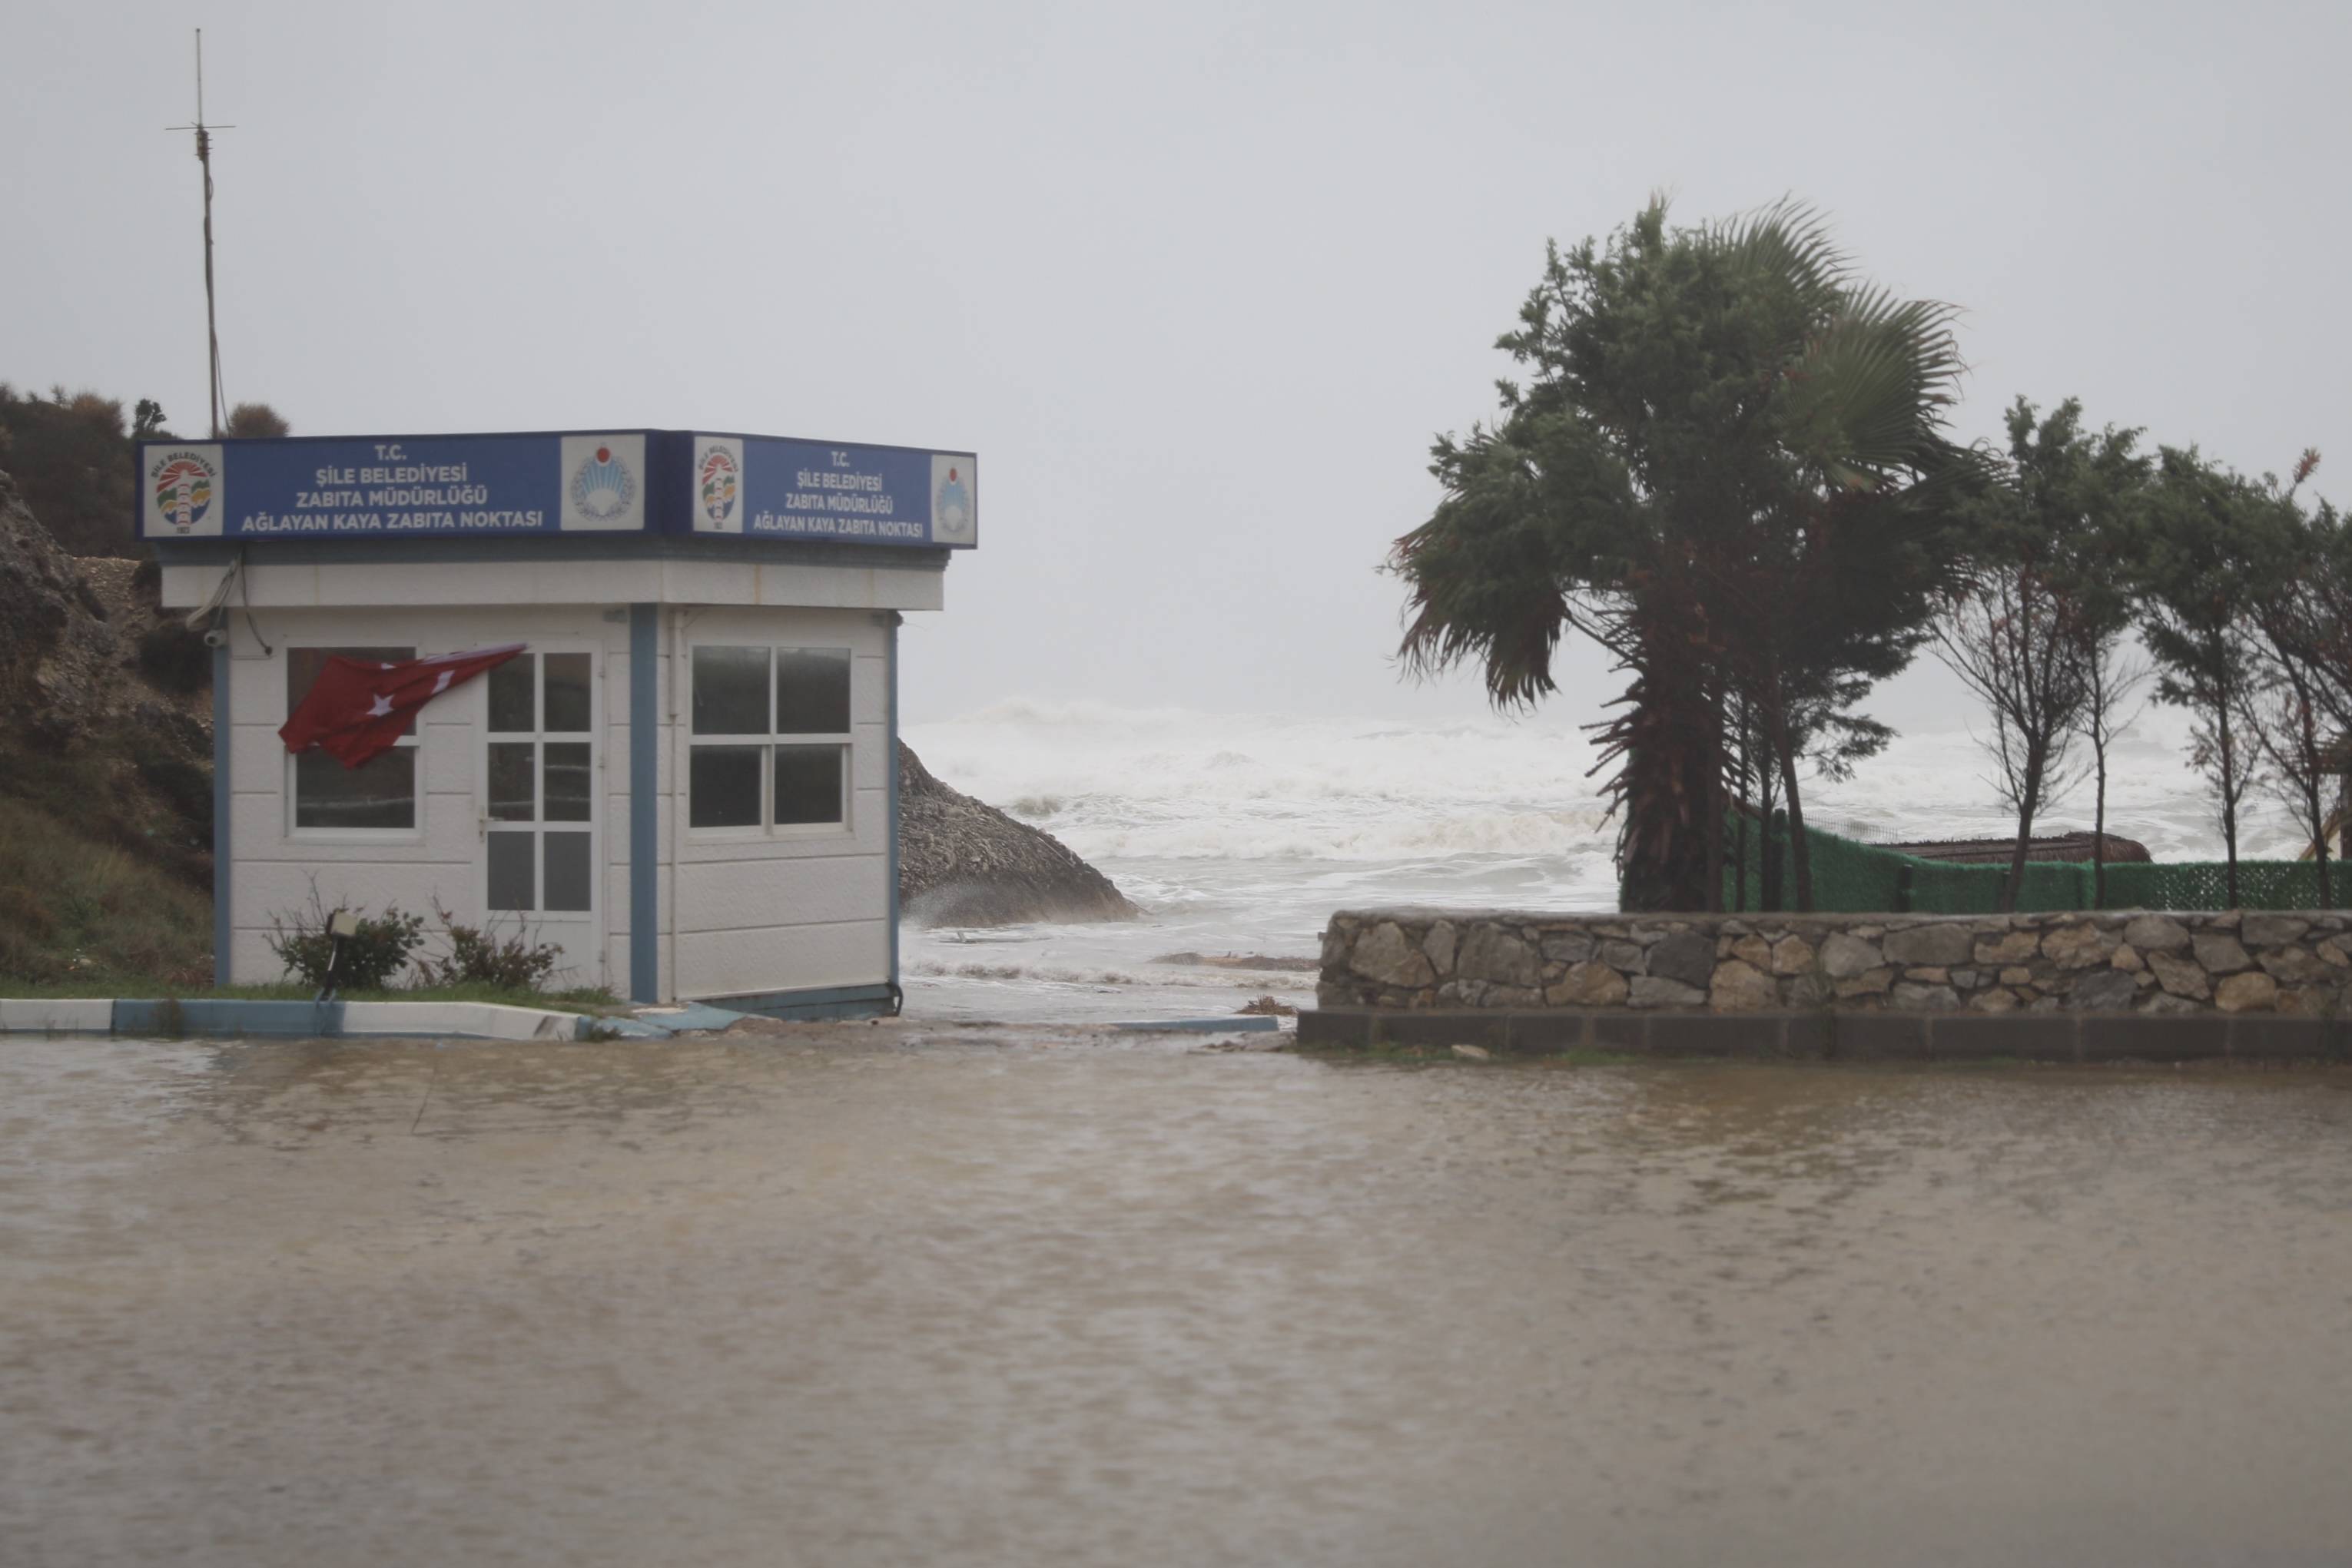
x=357, y=709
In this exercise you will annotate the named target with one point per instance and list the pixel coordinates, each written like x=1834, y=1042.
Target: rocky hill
x=963, y=863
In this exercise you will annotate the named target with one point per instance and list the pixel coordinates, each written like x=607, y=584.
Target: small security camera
x=217, y=638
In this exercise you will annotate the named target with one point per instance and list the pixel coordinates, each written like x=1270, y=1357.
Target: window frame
x=768, y=829
x=291, y=762
x=539, y=824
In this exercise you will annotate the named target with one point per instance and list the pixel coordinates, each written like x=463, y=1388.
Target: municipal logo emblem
x=718, y=479
x=601, y=486
x=954, y=509
x=183, y=491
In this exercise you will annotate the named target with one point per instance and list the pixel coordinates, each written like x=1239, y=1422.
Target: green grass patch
x=77, y=911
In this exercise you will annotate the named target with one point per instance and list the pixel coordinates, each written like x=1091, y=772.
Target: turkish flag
x=356, y=710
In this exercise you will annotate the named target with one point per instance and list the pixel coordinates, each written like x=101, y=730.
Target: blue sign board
x=629, y=481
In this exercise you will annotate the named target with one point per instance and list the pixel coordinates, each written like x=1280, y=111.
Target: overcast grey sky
x=1198, y=282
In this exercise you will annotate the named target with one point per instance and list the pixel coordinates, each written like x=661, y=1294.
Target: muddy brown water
x=893, y=1296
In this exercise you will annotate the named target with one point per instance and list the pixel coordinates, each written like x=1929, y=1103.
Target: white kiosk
x=686, y=780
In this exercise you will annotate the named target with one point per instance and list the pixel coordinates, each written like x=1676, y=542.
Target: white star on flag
x=382, y=706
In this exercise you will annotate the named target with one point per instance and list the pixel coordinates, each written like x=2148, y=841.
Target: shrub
x=479, y=956
x=371, y=958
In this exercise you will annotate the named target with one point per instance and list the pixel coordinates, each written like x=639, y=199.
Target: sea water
x=1239, y=833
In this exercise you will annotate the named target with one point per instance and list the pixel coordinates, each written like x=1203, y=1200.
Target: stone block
x=1336, y=940
x=2262, y=929
x=1943, y=942
x=2155, y=933
x=1624, y=955
x=1792, y=956
x=1910, y=996
x=2109, y=991
x=2077, y=946
x=2163, y=1004
x=1715, y=1035
x=1929, y=974
x=1591, y=983
x=1738, y=986
x=2252, y=992
x=1657, y=991
x=1492, y=952
x=2025, y=1038
x=2017, y=975
x=1548, y=1033
x=1332, y=1026
x=1752, y=950
x=1845, y=956
x=1996, y=1000
x=1568, y=947
x=2180, y=976
x=1872, y=984
x=2297, y=965
x=1382, y=955
x=1872, y=1036
x=2219, y=953
x=1440, y=1029
x=2141, y=1038
x=2255, y=1038
x=2010, y=948
x=2126, y=957
x=2331, y=951
x=1687, y=957
x=1438, y=946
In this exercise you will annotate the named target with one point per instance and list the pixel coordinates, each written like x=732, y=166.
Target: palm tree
x=1728, y=468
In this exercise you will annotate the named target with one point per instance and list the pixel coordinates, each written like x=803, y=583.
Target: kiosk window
x=771, y=747
x=381, y=793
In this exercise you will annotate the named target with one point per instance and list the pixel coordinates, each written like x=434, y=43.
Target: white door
x=539, y=827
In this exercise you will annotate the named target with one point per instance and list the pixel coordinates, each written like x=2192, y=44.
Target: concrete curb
x=231, y=1016
x=2083, y=1037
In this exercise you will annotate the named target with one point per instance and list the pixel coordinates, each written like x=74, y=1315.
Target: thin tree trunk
x=1800, y=852
x=2229, y=804
x=1772, y=885
x=2029, y=799
x=2099, y=814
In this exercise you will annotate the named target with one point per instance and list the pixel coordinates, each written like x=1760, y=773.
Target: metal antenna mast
x=205, y=156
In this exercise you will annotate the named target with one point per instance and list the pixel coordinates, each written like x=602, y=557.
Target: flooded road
x=894, y=1296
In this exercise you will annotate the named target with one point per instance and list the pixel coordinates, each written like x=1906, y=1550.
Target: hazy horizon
x=1198, y=284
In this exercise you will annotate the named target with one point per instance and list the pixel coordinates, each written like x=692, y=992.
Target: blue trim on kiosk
x=890, y=619
x=223, y=928
x=644, y=819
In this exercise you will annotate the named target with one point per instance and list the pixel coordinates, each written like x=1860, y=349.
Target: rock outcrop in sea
x=962, y=861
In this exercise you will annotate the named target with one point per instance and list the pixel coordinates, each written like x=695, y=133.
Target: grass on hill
x=77, y=911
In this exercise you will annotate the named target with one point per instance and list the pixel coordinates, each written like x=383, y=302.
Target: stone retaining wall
x=2118, y=961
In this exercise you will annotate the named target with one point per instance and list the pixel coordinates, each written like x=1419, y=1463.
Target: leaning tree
x=1727, y=466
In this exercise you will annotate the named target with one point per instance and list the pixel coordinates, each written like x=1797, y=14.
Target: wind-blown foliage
x=1728, y=467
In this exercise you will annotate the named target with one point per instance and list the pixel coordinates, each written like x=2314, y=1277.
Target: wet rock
x=1964, y=980
x=2252, y=991
x=2017, y=975
x=1569, y=947
x=1623, y=955
x=1846, y=956
x=1462, y=994
x=1438, y=946
x=1658, y=991
x=2077, y=946
x=1587, y=984
x=2295, y=965
x=1492, y=952
x=1869, y=983
x=1928, y=974
x=2180, y=976
x=1792, y=956
x=2164, y=1004
x=2010, y=948
x=1685, y=956
x=2155, y=933
x=1942, y=943
x=2219, y=952
x=1738, y=986
x=1472, y=1052
x=1749, y=949
x=2126, y=956
x=2332, y=952
x=2109, y=991
x=1385, y=955
x=1913, y=997
x=2266, y=930
x=1996, y=1000
x=962, y=861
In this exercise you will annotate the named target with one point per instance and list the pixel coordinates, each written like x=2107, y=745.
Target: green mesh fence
x=1849, y=876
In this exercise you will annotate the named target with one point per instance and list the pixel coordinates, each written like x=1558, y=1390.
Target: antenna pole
x=205, y=157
